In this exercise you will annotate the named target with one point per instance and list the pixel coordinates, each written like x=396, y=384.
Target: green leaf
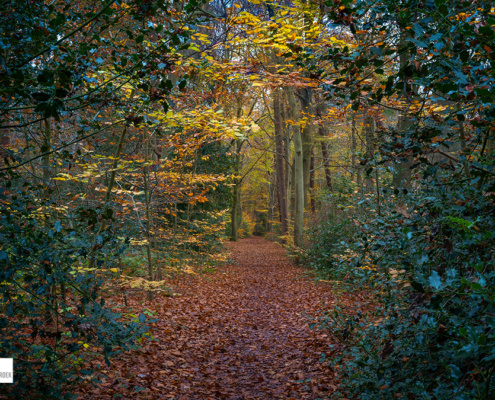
x=41, y=96
x=182, y=84
x=46, y=77
x=417, y=286
x=455, y=372
x=435, y=280
x=464, y=55
x=485, y=30
x=468, y=350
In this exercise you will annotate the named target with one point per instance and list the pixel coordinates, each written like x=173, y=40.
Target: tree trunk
x=271, y=201
x=306, y=138
x=239, y=206
x=324, y=153
x=370, y=149
x=287, y=165
x=355, y=167
x=298, y=167
x=402, y=174
x=45, y=163
x=312, y=182
x=233, y=214
x=147, y=212
x=280, y=164
x=462, y=135
x=235, y=195
x=292, y=190
x=4, y=144
x=328, y=174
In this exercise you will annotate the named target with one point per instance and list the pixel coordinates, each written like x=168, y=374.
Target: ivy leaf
x=57, y=226
x=485, y=30
x=435, y=280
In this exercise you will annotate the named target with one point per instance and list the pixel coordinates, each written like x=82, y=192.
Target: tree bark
x=402, y=175
x=271, y=201
x=45, y=163
x=306, y=138
x=282, y=200
x=147, y=148
x=355, y=167
x=233, y=214
x=4, y=143
x=462, y=135
x=370, y=149
x=328, y=174
x=324, y=153
x=299, y=192
x=312, y=182
x=235, y=195
x=292, y=190
x=287, y=164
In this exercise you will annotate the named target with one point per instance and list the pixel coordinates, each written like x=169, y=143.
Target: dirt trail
x=240, y=333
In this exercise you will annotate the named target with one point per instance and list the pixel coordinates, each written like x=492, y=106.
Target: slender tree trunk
x=370, y=150
x=47, y=143
x=108, y=194
x=462, y=135
x=402, y=175
x=312, y=182
x=305, y=95
x=233, y=214
x=287, y=165
x=292, y=190
x=328, y=174
x=147, y=212
x=378, y=205
x=45, y=163
x=298, y=181
x=239, y=206
x=271, y=201
x=235, y=195
x=324, y=153
x=355, y=172
x=306, y=138
x=280, y=164
x=4, y=143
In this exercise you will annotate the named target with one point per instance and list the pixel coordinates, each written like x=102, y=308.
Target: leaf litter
x=241, y=333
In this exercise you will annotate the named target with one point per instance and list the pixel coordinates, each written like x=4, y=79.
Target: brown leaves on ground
x=241, y=333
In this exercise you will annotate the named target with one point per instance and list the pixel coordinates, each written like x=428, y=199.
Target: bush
x=52, y=318
x=431, y=334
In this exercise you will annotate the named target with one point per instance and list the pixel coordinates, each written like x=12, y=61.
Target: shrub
x=52, y=317
x=432, y=332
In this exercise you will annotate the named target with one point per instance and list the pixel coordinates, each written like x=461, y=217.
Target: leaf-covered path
x=240, y=333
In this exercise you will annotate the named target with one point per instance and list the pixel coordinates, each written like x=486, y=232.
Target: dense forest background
x=137, y=134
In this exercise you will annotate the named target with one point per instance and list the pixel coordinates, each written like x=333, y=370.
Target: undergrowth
x=427, y=262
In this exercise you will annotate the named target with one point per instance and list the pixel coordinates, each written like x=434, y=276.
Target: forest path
x=240, y=333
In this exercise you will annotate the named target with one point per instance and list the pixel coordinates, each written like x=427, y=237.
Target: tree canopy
x=137, y=136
